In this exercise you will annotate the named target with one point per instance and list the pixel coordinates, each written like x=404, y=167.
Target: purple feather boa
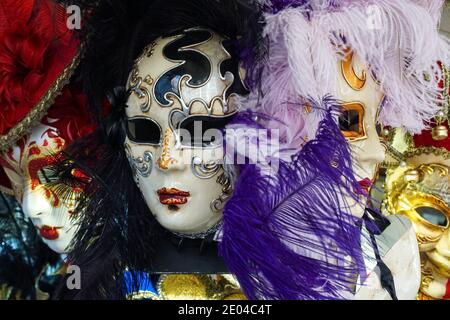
x=291, y=235
x=275, y=6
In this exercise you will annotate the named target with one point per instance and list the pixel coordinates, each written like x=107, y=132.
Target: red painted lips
x=49, y=233
x=173, y=196
x=365, y=185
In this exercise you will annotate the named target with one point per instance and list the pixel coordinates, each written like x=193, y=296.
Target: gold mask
x=421, y=192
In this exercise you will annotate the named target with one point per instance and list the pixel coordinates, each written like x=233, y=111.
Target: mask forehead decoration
x=195, y=74
x=24, y=162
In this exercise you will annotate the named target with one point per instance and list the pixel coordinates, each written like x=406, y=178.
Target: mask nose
x=374, y=153
x=367, y=156
x=34, y=204
x=169, y=159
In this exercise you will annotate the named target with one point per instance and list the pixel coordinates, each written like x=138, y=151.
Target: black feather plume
x=23, y=255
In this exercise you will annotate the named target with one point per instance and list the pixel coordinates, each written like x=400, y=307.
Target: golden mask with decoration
x=418, y=186
x=420, y=190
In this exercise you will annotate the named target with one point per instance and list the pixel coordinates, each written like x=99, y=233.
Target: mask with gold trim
x=182, y=94
x=418, y=187
x=186, y=72
x=49, y=196
x=297, y=75
x=361, y=98
x=420, y=190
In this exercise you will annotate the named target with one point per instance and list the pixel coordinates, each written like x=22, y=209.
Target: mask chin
x=183, y=203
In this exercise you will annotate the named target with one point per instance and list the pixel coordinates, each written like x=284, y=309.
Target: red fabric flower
x=22, y=71
x=35, y=47
x=70, y=115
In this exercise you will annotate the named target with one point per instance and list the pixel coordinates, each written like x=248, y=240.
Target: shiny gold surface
x=439, y=133
x=409, y=201
x=165, y=160
x=424, y=185
x=143, y=295
x=197, y=287
x=427, y=276
x=422, y=296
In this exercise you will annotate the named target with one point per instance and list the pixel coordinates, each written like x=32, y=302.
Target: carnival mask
x=29, y=167
x=182, y=93
x=361, y=98
x=421, y=193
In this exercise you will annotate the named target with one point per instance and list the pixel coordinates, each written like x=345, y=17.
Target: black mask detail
x=232, y=65
x=194, y=64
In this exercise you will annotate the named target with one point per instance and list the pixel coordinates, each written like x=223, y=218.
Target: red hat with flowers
x=38, y=56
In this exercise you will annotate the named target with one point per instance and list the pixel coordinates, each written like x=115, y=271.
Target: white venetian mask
x=361, y=98
x=182, y=92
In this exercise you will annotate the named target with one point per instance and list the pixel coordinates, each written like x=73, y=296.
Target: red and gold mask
x=29, y=166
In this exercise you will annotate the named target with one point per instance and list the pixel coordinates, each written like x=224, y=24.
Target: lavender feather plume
x=306, y=42
x=291, y=235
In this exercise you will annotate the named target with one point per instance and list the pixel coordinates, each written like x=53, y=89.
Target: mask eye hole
x=202, y=131
x=351, y=121
x=433, y=216
x=45, y=175
x=143, y=130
